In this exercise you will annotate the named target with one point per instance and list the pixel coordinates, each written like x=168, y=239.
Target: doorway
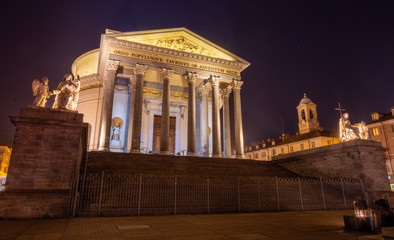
x=156, y=134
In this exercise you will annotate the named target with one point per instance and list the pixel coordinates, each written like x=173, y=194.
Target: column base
x=217, y=155
x=192, y=154
x=103, y=149
x=240, y=156
x=165, y=153
x=135, y=151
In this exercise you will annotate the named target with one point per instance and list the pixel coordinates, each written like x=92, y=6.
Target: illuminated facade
x=160, y=91
x=381, y=129
x=5, y=155
x=310, y=135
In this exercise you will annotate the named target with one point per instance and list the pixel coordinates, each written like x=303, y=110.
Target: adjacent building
x=381, y=129
x=310, y=135
x=161, y=91
x=5, y=155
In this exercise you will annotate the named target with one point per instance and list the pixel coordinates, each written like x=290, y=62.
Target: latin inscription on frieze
x=173, y=62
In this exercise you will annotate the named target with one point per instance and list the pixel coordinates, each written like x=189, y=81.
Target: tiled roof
x=294, y=138
x=385, y=117
x=313, y=134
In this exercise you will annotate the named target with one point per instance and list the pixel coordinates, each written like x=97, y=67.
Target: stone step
x=371, y=237
x=388, y=232
x=129, y=163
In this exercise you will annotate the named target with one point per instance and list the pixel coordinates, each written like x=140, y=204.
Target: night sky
x=332, y=50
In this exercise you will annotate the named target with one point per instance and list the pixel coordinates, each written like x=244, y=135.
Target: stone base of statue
x=352, y=159
x=48, y=148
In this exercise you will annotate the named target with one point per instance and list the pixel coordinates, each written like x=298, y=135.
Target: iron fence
x=118, y=195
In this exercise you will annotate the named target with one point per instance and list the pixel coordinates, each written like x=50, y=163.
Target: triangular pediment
x=180, y=39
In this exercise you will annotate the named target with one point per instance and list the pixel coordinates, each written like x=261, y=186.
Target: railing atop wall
x=117, y=195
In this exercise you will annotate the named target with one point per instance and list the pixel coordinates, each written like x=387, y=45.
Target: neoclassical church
x=161, y=91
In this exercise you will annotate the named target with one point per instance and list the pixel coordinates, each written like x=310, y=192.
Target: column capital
x=113, y=65
x=226, y=90
x=167, y=73
x=236, y=84
x=140, y=69
x=191, y=77
x=214, y=80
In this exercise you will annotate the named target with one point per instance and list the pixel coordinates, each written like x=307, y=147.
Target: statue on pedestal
x=41, y=92
x=67, y=93
x=116, y=125
x=348, y=132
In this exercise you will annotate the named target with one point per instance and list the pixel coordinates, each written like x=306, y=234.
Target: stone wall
x=47, y=151
x=354, y=159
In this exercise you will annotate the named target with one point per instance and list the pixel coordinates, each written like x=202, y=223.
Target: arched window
x=311, y=114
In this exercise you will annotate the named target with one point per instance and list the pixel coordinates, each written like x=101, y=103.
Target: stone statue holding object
x=67, y=93
x=348, y=132
x=40, y=91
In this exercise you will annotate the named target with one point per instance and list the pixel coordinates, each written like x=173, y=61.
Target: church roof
x=305, y=100
x=180, y=39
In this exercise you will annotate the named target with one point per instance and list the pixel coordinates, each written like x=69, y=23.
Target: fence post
x=139, y=196
x=277, y=193
x=322, y=193
x=208, y=194
x=299, y=187
x=258, y=193
x=76, y=196
x=239, y=197
x=101, y=192
x=343, y=193
x=176, y=182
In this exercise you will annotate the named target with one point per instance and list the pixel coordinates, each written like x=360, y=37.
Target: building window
x=302, y=146
x=313, y=144
x=375, y=131
x=273, y=152
x=328, y=142
x=291, y=149
x=263, y=154
x=282, y=150
x=256, y=156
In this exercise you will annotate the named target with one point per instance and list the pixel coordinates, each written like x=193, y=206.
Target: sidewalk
x=316, y=225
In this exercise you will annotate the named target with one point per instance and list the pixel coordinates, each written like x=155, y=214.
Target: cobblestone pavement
x=317, y=225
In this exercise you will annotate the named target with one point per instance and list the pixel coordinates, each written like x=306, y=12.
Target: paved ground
x=317, y=225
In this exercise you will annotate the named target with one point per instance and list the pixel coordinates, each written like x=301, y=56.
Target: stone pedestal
x=353, y=159
x=49, y=145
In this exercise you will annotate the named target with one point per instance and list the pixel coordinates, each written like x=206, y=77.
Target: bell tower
x=307, y=116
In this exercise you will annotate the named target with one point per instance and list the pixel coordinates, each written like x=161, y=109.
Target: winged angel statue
x=40, y=91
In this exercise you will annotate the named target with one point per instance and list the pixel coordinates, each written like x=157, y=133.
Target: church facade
x=161, y=91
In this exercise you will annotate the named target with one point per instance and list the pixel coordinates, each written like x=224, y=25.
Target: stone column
x=226, y=90
x=204, y=121
x=108, y=101
x=133, y=82
x=165, y=112
x=239, y=135
x=216, y=144
x=191, y=114
x=139, y=71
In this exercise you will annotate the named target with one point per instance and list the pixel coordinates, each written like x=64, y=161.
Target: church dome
x=305, y=100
